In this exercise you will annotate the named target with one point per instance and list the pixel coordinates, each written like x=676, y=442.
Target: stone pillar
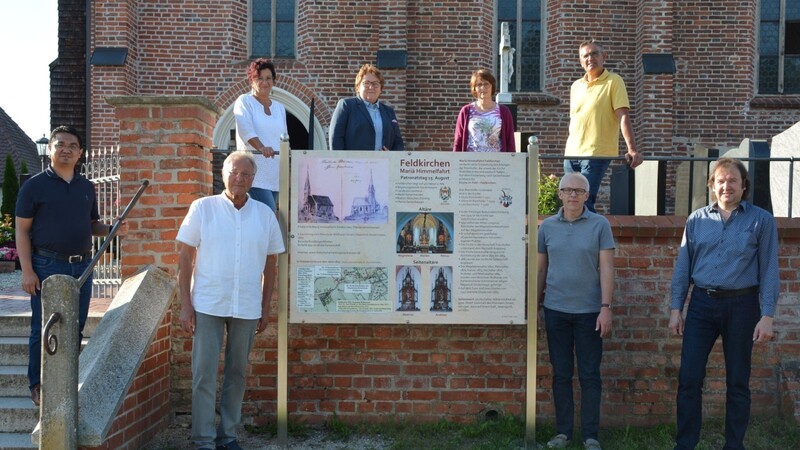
x=58, y=423
x=165, y=140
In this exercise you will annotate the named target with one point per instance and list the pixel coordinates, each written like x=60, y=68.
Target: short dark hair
x=731, y=162
x=66, y=129
x=255, y=68
x=484, y=74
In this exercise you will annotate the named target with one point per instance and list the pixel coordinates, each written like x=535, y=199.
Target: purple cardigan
x=506, y=130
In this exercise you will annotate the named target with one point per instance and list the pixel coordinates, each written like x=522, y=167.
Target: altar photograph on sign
x=425, y=232
x=408, y=280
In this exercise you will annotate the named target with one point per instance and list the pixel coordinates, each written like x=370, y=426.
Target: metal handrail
x=790, y=159
x=112, y=234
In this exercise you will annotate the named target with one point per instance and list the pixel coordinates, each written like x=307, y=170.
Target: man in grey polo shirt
x=576, y=281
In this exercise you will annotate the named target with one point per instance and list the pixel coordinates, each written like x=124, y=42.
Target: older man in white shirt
x=226, y=273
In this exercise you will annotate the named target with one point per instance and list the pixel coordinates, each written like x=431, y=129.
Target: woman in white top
x=260, y=121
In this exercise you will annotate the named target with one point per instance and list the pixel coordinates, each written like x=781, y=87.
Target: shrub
x=548, y=193
x=10, y=188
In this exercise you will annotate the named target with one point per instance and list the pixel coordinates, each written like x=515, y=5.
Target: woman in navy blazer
x=363, y=122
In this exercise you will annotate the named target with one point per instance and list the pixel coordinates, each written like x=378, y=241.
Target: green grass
x=508, y=433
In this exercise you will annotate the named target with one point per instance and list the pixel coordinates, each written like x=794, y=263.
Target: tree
x=10, y=188
x=23, y=169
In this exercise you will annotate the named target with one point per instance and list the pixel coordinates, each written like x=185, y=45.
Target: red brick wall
x=426, y=372
x=163, y=140
x=429, y=372
x=200, y=48
x=146, y=408
x=118, y=30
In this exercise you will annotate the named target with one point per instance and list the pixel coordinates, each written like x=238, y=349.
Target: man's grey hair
x=592, y=42
x=238, y=154
x=578, y=175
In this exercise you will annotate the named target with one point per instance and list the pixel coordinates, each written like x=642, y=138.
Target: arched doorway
x=297, y=123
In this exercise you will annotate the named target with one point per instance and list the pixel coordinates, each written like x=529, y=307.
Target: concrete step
x=13, y=326
x=19, y=415
x=13, y=382
x=13, y=351
x=20, y=326
x=16, y=441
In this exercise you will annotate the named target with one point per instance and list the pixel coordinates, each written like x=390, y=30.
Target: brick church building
x=710, y=73
x=702, y=72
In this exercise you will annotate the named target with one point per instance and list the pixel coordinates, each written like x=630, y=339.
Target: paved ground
x=16, y=302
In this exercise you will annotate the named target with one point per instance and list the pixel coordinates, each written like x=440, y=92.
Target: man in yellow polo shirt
x=598, y=109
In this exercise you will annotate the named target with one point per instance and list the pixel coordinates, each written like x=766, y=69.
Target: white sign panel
x=407, y=237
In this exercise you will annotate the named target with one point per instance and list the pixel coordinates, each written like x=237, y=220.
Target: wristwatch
x=606, y=305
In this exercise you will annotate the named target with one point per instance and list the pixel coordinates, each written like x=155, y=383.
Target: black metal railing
x=623, y=200
x=622, y=193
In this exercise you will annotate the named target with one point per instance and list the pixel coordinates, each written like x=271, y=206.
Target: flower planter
x=8, y=266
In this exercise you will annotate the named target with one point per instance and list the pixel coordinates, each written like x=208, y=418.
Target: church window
x=525, y=24
x=273, y=29
x=779, y=47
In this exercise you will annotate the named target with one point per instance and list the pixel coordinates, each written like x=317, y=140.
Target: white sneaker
x=591, y=444
x=559, y=441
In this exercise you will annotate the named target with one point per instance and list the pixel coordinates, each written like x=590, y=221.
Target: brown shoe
x=35, y=395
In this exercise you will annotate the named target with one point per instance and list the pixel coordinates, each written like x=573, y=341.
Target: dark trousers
x=44, y=267
x=735, y=320
x=570, y=336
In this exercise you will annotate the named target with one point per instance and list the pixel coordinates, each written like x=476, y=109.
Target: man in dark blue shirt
x=730, y=254
x=56, y=217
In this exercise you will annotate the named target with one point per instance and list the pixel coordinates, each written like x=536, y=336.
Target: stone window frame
x=276, y=26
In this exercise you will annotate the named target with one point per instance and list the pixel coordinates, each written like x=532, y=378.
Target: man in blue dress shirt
x=729, y=253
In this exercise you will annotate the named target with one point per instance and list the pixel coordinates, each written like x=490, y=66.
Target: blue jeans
x=206, y=345
x=594, y=170
x=707, y=318
x=44, y=267
x=265, y=196
x=567, y=333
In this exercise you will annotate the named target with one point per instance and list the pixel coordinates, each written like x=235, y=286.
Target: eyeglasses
x=265, y=80
x=571, y=191
x=482, y=85
x=241, y=174
x=593, y=54
x=371, y=84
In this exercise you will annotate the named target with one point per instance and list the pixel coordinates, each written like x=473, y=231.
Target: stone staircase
x=18, y=415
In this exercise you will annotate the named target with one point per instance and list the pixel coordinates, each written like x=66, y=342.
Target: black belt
x=727, y=293
x=72, y=259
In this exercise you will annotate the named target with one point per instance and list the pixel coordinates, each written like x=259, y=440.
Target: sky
x=28, y=44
